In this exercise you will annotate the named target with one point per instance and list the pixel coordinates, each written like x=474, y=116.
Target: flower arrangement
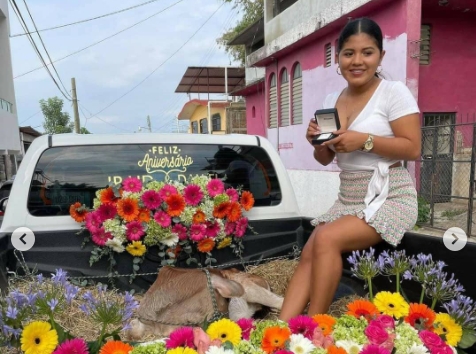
x=195, y=217
x=382, y=324
x=29, y=317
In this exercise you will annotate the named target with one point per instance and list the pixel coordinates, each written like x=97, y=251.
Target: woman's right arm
x=322, y=154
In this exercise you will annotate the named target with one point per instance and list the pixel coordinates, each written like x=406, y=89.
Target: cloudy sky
x=114, y=69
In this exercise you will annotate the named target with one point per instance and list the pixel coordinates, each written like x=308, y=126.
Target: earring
x=379, y=71
x=337, y=70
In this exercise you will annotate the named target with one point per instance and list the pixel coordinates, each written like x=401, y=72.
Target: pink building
x=429, y=46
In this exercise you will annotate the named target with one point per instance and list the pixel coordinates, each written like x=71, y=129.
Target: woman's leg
x=345, y=234
x=298, y=289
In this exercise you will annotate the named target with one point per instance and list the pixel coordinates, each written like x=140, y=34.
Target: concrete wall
x=302, y=11
x=256, y=117
x=447, y=84
x=253, y=74
x=9, y=133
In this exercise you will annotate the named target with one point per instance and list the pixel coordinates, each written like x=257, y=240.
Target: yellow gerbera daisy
x=224, y=243
x=445, y=324
x=136, y=248
x=392, y=304
x=182, y=350
x=38, y=338
x=225, y=330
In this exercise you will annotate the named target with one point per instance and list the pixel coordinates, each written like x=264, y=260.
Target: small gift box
x=328, y=121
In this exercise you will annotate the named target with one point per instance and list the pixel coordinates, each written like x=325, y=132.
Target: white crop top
x=391, y=100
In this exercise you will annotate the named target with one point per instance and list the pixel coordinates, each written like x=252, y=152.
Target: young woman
x=380, y=126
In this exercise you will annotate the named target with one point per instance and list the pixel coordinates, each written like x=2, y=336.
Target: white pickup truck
x=59, y=170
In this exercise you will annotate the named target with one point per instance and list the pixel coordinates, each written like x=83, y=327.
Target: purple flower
x=12, y=312
x=364, y=266
x=463, y=310
x=52, y=303
x=59, y=277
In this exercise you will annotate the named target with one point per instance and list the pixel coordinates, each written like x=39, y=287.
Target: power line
x=35, y=48
x=102, y=40
x=44, y=47
x=166, y=60
x=30, y=117
x=83, y=21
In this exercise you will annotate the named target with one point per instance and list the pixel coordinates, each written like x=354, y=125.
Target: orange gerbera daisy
x=358, y=308
x=274, y=338
x=332, y=349
x=176, y=204
x=325, y=322
x=78, y=212
x=420, y=315
x=116, y=347
x=234, y=212
x=144, y=215
x=107, y=196
x=206, y=245
x=221, y=210
x=199, y=217
x=128, y=209
x=247, y=201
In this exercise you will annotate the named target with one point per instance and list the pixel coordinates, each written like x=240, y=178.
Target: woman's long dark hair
x=361, y=25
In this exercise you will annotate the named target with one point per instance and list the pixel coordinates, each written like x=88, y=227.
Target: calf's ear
x=227, y=288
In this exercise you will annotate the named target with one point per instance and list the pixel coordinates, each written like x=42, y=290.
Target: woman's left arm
x=406, y=145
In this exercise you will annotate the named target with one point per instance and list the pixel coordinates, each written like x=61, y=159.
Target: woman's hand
x=312, y=130
x=347, y=141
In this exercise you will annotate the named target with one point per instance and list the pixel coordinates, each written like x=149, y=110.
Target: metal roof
x=205, y=79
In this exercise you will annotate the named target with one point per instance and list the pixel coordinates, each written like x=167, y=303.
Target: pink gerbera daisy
x=241, y=226
x=107, y=211
x=197, y=232
x=230, y=228
x=212, y=229
x=72, y=346
x=166, y=191
x=181, y=231
x=134, y=231
x=283, y=351
x=181, y=337
x=162, y=218
x=132, y=184
x=101, y=236
x=304, y=325
x=232, y=193
x=215, y=187
x=193, y=194
x=151, y=199
x=246, y=325
x=93, y=221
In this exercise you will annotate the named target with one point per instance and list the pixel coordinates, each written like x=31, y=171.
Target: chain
x=216, y=314
x=294, y=254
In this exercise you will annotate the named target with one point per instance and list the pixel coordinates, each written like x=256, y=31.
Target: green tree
x=83, y=130
x=56, y=121
x=252, y=11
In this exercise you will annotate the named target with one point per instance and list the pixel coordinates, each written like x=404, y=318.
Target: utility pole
x=75, y=106
x=148, y=124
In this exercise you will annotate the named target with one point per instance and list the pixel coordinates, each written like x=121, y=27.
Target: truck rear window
x=65, y=175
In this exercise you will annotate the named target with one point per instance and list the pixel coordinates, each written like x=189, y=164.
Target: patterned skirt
x=398, y=213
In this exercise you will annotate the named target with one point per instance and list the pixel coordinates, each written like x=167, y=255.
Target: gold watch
x=369, y=144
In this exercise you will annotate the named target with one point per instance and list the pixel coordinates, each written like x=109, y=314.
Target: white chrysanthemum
x=349, y=346
x=300, y=344
x=115, y=244
x=417, y=349
x=170, y=240
x=218, y=350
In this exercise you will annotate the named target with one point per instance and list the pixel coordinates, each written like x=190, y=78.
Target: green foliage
x=423, y=210
x=252, y=11
x=56, y=121
x=451, y=213
x=83, y=130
